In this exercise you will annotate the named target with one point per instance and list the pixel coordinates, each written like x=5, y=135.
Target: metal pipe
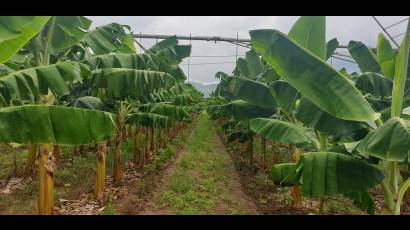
x=240, y=41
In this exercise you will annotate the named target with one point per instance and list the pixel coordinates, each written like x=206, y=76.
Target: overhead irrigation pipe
x=235, y=41
x=200, y=38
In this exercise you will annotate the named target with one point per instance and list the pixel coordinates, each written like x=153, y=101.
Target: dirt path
x=203, y=180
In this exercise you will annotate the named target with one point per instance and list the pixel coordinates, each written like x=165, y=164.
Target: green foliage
x=312, y=77
x=49, y=124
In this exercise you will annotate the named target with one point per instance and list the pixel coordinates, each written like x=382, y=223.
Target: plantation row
x=349, y=132
x=62, y=84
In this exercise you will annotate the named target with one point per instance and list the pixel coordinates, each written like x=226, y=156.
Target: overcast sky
x=344, y=28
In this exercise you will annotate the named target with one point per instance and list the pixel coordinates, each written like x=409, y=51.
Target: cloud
x=344, y=28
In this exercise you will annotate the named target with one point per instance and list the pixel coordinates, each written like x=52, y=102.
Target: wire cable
x=394, y=24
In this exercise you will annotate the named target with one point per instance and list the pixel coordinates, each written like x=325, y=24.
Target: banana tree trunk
x=137, y=150
x=296, y=191
x=124, y=133
x=146, y=152
x=46, y=181
x=100, y=174
x=31, y=158
x=264, y=165
x=117, y=158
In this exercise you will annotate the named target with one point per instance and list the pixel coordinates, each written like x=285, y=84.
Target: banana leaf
x=252, y=91
x=328, y=173
x=124, y=83
x=331, y=47
x=310, y=33
x=375, y=84
x=311, y=116
x=65, y=31
x=285, y=95
x=173, y=111
x=364, y=57
x=30, y=84
x=42, y=124
x=391, y=141
x=312, y=77
x=151, y=120
x=281, y=131
x=111, y=38
x=385, y=56
x=89, y=102
x=16, y=31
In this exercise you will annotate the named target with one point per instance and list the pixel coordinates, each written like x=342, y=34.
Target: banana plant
x=383, y=142
x=57, y=60
x=313, y=78
x=46, y=126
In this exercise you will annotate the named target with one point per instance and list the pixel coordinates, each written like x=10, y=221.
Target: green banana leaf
x=268, y=75
x=285, y=95
x=183, y=99
x=242, y=110
x=400, y=75
x=241, y=69
x=111, y=38
x=281, y=131
x=311, y=116
x=89, y=102
x=364, y=57
x=65, y=31
x=42, y=124
x=30, y=84
x=174, y=55
x=255, y=66
x=151, y=120
x=144, y=61
x=328, y=173
x=221, y=75
x=310, y=33
x=363, y=200
x=173, y=111
x=16, y=31
x=252, y=91
x=375, y=84
x=385, y=56
x=164, y=44
x=123, y=83
x=285, y=174
x=391, y=141
x=331, y=47
x=386, y=112
x=176, y=72
x=312, y=77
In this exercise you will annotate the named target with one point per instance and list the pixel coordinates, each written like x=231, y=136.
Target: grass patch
x=198, y=185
